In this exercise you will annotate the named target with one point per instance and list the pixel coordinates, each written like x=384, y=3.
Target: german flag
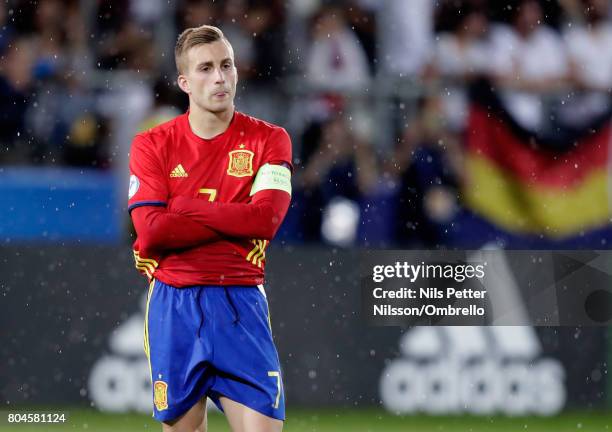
x=523, y=184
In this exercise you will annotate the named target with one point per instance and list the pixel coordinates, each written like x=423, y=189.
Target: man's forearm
x=260, y=218
x=159, y=230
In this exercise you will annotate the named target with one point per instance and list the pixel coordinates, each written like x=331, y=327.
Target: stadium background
x=416, y=124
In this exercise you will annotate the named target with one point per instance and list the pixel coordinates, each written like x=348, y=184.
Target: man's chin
x=219, y=108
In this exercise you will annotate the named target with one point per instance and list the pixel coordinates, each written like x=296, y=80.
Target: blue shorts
x=211, y=341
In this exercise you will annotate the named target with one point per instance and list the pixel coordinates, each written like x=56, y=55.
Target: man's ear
x=183, y=84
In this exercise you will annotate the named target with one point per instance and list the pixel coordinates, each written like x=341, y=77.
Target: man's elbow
x=273, y=226
x=149, y=223
x=267, y=225
x=150, y=241
x=271, y=217
x=267, y=234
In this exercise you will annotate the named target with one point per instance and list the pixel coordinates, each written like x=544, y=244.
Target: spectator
x=363, y=23
x=110, y=16
x=194, y=13
x=460, y=55
x=342, y=165
x=266, y=27
x=256, y=30
x=168, y=103
x=589, y=49
x=7, y=31
x=336, y=61
x=16, y=83
x=129, y=48
x=78, y=59
x=407, y=39
x=427, y=165
x=50, y=38
x=62, y=119
x=528, y=59
x=235, y=28
x=147, y=12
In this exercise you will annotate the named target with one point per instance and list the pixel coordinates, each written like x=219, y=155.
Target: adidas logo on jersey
x=179, y=171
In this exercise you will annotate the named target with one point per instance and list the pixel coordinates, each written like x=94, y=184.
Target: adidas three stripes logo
x=178, y=171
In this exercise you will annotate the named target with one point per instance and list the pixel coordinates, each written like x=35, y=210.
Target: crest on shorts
x=160, y=395
x=240, y=163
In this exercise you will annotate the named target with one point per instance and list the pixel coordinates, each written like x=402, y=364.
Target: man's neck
x=206, y=124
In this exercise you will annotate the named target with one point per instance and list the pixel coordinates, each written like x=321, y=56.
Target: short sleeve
x=148, y=186
x=278, y=148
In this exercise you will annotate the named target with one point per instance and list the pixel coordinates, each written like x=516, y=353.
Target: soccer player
x=208, y=191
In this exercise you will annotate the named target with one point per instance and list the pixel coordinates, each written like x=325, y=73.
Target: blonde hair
x=195, y=36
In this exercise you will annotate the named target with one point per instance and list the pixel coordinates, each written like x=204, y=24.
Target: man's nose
x=220, y=77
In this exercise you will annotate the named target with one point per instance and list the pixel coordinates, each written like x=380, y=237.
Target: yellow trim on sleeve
x=147, y=265
x=261, y=254
x=145, y=269
x=147, y=260
x=248, y=258
x=258, y=254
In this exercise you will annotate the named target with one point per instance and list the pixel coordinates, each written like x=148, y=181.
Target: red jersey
x=170, y=160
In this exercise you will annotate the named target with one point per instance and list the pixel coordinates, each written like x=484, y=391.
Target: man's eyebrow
x=210, y=63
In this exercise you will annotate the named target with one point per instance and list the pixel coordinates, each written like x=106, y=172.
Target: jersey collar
x=219, y=137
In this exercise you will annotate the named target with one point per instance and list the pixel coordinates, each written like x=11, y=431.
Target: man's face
x=529, y=16
x=210, y=76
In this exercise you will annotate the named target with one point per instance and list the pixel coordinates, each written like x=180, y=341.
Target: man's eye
x=227, y=65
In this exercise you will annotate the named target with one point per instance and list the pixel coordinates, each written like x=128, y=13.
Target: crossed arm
x=159, y=229
x=188, y=222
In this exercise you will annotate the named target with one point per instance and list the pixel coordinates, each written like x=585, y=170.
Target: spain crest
x=240, y=163
x=160, y=395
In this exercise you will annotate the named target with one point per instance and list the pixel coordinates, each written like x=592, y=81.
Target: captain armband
x=272, y=177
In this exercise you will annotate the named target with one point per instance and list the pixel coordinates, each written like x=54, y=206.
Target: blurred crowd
x=373, y=92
